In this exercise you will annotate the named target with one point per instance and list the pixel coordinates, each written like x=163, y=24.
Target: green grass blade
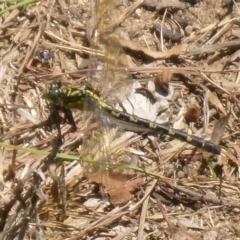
x=18, y=5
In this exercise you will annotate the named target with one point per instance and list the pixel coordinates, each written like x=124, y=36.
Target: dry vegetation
x=185, y=56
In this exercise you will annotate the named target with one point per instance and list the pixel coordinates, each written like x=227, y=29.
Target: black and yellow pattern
x=105, y=150
x=75, y=96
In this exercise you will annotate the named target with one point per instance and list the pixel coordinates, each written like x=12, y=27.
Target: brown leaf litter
x=187, y=51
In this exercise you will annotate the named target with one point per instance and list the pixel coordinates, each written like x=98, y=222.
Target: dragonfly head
x=53, y=92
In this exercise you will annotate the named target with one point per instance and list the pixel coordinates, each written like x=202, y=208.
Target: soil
x=182, y=60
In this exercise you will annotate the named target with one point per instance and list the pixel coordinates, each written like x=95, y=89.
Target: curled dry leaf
x=175, y=51
x=118, y=189
x=192, y=114
x=163, y=78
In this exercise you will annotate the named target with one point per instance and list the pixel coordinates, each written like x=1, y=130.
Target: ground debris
x=184, y=56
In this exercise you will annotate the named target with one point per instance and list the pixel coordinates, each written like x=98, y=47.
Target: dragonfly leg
x=55, y=119
x=69, y=118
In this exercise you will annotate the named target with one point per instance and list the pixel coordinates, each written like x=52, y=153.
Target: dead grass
x=189, y=52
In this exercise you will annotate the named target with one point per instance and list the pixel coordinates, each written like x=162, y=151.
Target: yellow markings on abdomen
x=152, y=125
x=203, y=144
x=116, y=114
x=171, y=132
x=189, y=139
x=133, y=119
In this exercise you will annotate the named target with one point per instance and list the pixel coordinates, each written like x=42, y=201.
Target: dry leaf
x=175, y=51
x=117, y=189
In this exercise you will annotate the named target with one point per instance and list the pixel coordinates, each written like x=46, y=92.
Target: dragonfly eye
x=53, y=94
x=56, y=83
x=53, y=91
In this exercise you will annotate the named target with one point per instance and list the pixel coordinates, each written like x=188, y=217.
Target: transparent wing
x=105, y=146
x=109, y=73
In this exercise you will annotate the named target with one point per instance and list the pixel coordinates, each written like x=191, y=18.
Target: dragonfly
x=75, y=97
x=103, y=151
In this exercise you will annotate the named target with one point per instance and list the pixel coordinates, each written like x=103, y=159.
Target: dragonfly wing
x=109, y=70
x=105, y=148
x=105, y=154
